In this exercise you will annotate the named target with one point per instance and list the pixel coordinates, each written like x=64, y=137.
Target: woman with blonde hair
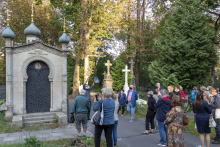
x=170, y=90
x=114, y=134
x=205, y=94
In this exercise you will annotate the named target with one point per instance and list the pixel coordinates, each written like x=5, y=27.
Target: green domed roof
x=32, y=30
x=8, y=33
x=64, y=38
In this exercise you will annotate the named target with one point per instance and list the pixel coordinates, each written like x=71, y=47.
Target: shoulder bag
x=212, y=123
x=97, y=118
x=185, y=120
x=72, y=119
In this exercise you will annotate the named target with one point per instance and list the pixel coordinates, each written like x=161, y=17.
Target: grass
x=140, y=111
x=89, y=141
x=190, y=129
x=5, y=126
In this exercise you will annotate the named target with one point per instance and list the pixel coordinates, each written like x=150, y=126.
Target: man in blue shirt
x=132, y=97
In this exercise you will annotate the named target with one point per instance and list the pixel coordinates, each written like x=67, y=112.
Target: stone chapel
x=36, y=74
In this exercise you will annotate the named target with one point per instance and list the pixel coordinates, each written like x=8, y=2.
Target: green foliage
x=117, y=75
x=70, y=72
x=2, y=102
x=186, y=46
x=32, y=142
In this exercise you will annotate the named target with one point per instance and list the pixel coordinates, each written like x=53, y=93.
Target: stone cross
x=126, y=70
x=108, y=64
x=132, y=66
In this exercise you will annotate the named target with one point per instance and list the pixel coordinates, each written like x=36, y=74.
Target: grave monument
x=126, y=87
x=107, y=76
x=36, y=75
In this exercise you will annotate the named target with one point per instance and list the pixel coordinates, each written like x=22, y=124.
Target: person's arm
x=170, y=117
x=208, y=108
x=73, y=110
x=84, y=86
x=92, y=85
x=96, y=106
x=136, y=95
x=88, y=105
x=159, y=102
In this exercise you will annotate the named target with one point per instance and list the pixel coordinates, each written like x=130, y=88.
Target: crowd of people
x=165, y=105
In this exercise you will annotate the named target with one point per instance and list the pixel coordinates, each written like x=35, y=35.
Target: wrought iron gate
x=37, y=88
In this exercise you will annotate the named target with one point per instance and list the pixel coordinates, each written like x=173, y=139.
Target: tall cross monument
x=126, y=70
x=107, y=76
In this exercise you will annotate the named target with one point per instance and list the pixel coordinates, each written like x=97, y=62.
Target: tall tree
x=186, y=46
x=138, y=46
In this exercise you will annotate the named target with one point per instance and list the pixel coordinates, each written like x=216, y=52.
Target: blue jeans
x=131, y=110
x=163, y=132
x=114, y=134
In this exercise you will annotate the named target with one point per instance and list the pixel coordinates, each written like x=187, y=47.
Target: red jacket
x=183, y=95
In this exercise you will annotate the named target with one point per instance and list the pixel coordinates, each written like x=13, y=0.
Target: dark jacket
x=87, y=91
x=215, y=104
x=203, y=111
x=179, y=94
x=122, y=100
x=80, y=105
x=134, y=98
x=151, y=109
x=162, y=106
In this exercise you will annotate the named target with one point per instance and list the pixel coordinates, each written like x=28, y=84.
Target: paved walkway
x=43, y=135
x=129, y=134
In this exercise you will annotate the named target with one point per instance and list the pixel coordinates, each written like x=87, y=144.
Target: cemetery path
x=130, y=134
x=43, y=135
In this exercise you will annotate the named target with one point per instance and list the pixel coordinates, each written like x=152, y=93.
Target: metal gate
x=38, y=88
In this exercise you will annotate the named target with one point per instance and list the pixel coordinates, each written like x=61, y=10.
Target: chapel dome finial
x=64, y=38
x=32, y=29
x=8, y=33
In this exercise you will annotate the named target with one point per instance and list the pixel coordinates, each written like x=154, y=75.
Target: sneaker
x=84, y=135
x=122, y=115
x=159, y=144
x=131, y=121
x=215, y=142
x=79, y=135
x=162, y=145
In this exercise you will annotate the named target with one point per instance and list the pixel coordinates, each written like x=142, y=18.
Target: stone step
x=34, y=118
x=30, y=123
x=31, y=115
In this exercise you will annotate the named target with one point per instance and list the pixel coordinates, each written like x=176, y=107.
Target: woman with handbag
x=108, y=105
x=174, y=122
x=203, y=111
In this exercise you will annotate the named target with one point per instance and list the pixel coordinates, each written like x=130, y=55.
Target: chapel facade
x=36, y=74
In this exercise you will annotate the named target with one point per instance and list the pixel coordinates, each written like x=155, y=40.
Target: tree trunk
x=143, y=15
x=138, y=55
x=129, y=21
x=77, y=67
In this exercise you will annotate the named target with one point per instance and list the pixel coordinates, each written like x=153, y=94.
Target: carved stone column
x=9, y=79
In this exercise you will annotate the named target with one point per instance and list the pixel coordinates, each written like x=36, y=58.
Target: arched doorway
x=38, y=87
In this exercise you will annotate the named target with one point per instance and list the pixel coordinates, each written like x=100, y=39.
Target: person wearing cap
x=150, y=113
x=162, y=106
